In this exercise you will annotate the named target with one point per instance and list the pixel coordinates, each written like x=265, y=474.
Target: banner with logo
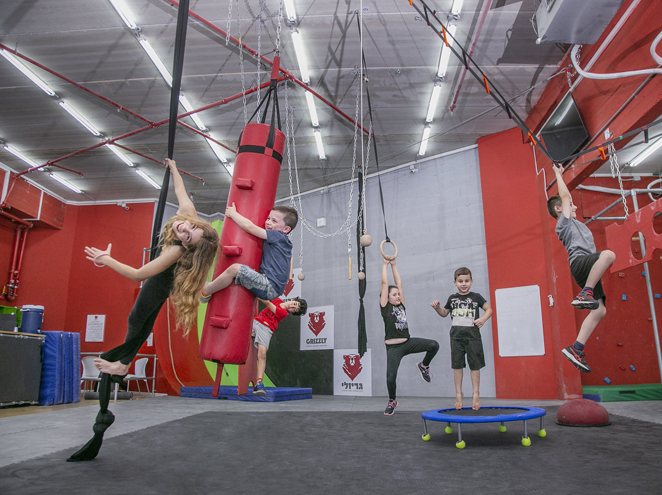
x=352, y=374
x=317, y=329
x=293, y=286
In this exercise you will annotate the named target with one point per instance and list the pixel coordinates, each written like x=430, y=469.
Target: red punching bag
x=227, y=329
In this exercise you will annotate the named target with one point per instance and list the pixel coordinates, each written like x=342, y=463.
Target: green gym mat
x=617, y=393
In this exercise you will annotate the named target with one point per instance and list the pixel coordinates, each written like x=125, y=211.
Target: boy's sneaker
x=259, y=389
x=425, y=372
x=584, y=300
x=577, y=358
x=390, y=407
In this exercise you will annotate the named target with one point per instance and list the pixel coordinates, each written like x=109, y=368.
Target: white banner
x=317, y=329
x=293, y=286
x=352, y=374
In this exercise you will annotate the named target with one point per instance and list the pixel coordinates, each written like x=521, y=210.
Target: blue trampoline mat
x=489, y=414
x=274, y=394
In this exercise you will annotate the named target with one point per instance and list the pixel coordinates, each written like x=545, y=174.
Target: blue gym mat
x=274, y=394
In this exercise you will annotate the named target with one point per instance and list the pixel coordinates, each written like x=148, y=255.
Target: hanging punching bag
x=226, y=333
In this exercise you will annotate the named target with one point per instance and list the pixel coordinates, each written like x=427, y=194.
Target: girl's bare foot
x=458, y=402
x=475, y=405
x=114, y=368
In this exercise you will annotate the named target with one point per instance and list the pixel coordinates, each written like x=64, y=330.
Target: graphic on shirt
x=400, y=318
x=316, y=322
x=464, y=310
x=352, y=365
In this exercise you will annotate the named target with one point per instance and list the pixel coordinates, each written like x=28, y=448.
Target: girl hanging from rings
x=397, y=339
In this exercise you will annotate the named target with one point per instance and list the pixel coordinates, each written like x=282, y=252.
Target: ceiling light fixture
x=434, y=99
x=312, y=110
x=444, y=58
x=27, y=72
x=124, y=13
x=157, y=61
x=289, y=10
x=194, y=116
x=218, y=151
x=79, y=117
x=567, y=108
x=20, y=155
x=301, y=56
x=320, y=144
x=65, y=183
x=147, y=178
x=120, y=155
x=424, y=141
x=646, y=153
x=456, y=8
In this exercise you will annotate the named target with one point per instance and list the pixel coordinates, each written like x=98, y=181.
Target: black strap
x=262, y=150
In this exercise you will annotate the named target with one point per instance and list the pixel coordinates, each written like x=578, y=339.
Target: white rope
x=616, y=173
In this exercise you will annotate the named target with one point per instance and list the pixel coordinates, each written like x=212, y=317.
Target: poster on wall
x=352, y=373
x=293, y=286
x=317, y=329
x=94, y=329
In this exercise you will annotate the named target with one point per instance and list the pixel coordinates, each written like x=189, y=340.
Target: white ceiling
x=88, y=43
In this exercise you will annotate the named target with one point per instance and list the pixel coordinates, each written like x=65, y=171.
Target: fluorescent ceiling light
x=65, y=183
x=189, y=108
x=434, y=99
x=120, y=155
x=646, y=153
x=320, y=144
x=165, y=73
x=20, y=155
x=312, y=110
x=457, y=7
x=124, y=13
x=445, y=57
x=568, y=105
x=301, y=56
x=82, y=120
x=27, y=72
x=424, y=141
x=147, y=178
x=218, y=151
x=289, y=10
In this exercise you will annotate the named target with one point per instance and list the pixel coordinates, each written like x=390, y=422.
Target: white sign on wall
x=352, y=373
x=293, y=286
x=519, y=321
x=94, y=329
x=317, y=329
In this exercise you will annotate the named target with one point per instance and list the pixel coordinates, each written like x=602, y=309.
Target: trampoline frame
x=526, y=414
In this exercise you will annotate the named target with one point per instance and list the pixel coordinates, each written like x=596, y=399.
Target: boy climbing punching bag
x=227, y=329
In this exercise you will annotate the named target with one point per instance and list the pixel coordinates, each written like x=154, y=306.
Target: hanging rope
x=616, y=173
x=159, y=285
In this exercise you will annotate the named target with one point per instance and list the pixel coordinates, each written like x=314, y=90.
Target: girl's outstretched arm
x=383, y=294
x=397, y=280
x=169, y=255
x=186, y=206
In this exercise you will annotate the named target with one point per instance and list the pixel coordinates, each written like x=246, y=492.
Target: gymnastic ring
x=386, y=256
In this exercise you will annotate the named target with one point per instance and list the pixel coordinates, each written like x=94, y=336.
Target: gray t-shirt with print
x=575, y=236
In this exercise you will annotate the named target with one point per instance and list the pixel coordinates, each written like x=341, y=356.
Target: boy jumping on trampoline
x=397, y=339
x=265, y=324
x=269, y=282
x=463, y=307
x=586, y=265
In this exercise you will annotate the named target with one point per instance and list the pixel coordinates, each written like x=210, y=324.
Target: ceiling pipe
x=479, y=29
x=13, y=218
x=146, y=128
x=269, y=62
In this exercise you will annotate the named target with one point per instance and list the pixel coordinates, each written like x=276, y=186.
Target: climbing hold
x=621, y=367
x=624, y=297
x=619, y=344
x=633, y=367
x=607, y=380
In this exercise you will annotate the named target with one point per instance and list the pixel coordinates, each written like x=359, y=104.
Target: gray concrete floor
x=38, y=431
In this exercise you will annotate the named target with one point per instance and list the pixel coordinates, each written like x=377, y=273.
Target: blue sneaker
x=259, y=389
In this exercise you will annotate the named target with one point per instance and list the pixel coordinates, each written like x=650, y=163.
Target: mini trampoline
x=495, y=414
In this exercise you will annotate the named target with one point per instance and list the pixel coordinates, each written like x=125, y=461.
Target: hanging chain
x=279, y=26
x=616, y=173
x=257, y=56
x=243, y=78
x=229, y=24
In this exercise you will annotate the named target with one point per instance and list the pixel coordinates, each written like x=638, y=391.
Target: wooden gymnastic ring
x=384, y=255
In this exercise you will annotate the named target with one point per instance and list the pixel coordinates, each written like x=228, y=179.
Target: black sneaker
x=390, y=407
x=577, y=358
x=425, y=372
x=259, y=390
x=583, y=300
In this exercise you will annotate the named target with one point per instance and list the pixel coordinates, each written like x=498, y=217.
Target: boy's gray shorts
x=261, y=334
x=256, y=282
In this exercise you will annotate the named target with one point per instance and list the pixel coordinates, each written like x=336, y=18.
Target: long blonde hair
x=191, y=270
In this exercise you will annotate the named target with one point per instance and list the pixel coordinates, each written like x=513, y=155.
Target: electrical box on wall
x=571, y=21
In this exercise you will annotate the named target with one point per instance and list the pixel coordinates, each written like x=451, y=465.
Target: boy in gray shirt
x=586, y=265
